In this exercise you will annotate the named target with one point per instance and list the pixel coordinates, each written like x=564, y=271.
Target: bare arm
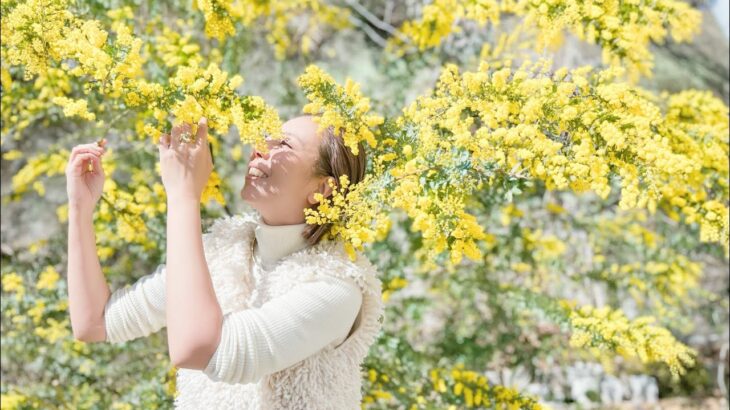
x=97, y=315
x=193, y=314
x=194, y=317
x=88, y=291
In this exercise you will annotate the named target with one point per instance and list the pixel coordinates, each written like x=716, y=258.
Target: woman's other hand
x=85, y=176
x=185, y=167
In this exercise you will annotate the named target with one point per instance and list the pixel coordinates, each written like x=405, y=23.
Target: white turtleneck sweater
x=254, y=342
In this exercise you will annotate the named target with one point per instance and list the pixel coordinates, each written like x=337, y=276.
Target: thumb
x=164, y=143
x=202, y=134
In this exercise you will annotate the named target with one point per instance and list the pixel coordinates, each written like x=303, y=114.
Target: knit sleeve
x=285, y=330
x=136, y=311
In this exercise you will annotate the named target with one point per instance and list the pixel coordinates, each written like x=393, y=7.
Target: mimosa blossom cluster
x=471, y=163
x=571, y=129
x=624, y=29
x=609, y=330
x=112, y=65
x=276, y=18
x=455, y=387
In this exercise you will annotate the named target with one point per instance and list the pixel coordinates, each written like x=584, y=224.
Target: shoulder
x=232, y=224
x=329, y=258
x=227, y=240
x=230, y=229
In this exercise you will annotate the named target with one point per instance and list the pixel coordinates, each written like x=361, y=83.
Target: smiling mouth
x=254, y=173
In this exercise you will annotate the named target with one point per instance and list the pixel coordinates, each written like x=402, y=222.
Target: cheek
x=296, y=184
x=292, y=172
x=291, y=184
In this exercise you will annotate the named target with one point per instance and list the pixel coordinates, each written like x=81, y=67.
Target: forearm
x=194, y=317
x=88, y=290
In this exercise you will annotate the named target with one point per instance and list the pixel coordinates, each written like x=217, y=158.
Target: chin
x=246, y=196
x=243, y=196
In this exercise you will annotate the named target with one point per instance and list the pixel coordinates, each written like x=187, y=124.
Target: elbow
x=89, y=334
x=88, y=339
x=81, y=337
x=179, y=357
x=79, y=334
x=193, y=353
x=192, y=357
x=183, y=362
x=178, y=361
x=178, y=352
x=89, y=329
x=194, y=350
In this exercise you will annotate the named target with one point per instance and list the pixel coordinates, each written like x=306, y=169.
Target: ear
x=323, y=188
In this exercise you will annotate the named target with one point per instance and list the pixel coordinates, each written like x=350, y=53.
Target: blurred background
x=454, y=319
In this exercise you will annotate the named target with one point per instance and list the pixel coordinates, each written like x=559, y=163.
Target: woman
x=261, y=312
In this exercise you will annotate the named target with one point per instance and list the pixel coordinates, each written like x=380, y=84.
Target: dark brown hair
x=335, y=159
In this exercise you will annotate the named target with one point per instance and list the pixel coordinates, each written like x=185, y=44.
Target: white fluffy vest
x=330, y=378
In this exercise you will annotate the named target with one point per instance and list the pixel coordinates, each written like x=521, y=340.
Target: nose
x=256, y=153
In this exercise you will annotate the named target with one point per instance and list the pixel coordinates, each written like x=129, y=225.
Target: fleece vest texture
x=328, y=379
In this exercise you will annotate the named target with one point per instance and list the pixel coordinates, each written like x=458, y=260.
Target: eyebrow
x=288, y=134
x=291, y=136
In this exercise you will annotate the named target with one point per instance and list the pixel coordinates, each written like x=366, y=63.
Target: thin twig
x=721, y=370
x=388, y=13
x=372, y=18
x=375, y=21
x=370, y=32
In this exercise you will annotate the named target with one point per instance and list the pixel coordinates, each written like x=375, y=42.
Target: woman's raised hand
x=185, y=166
x=85, y=176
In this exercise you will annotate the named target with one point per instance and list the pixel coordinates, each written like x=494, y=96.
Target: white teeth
x=255, y=172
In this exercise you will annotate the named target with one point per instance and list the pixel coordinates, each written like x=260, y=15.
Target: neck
x=274, y=242
x=278, y=220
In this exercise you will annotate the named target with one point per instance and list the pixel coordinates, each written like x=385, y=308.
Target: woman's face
x=287, y=186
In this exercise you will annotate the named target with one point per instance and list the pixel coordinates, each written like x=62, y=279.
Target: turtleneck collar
x=274, y=242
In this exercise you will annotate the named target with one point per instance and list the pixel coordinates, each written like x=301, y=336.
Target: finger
x=97, y=168
x=185, y=146
x=78, y=150
x=92, y=145
x=164, y=143
x=202, y=134
x=84, y=156
x=101, y=144
x=202, y=138
x=81, y=162
x=175, y=137
x=88, y=147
